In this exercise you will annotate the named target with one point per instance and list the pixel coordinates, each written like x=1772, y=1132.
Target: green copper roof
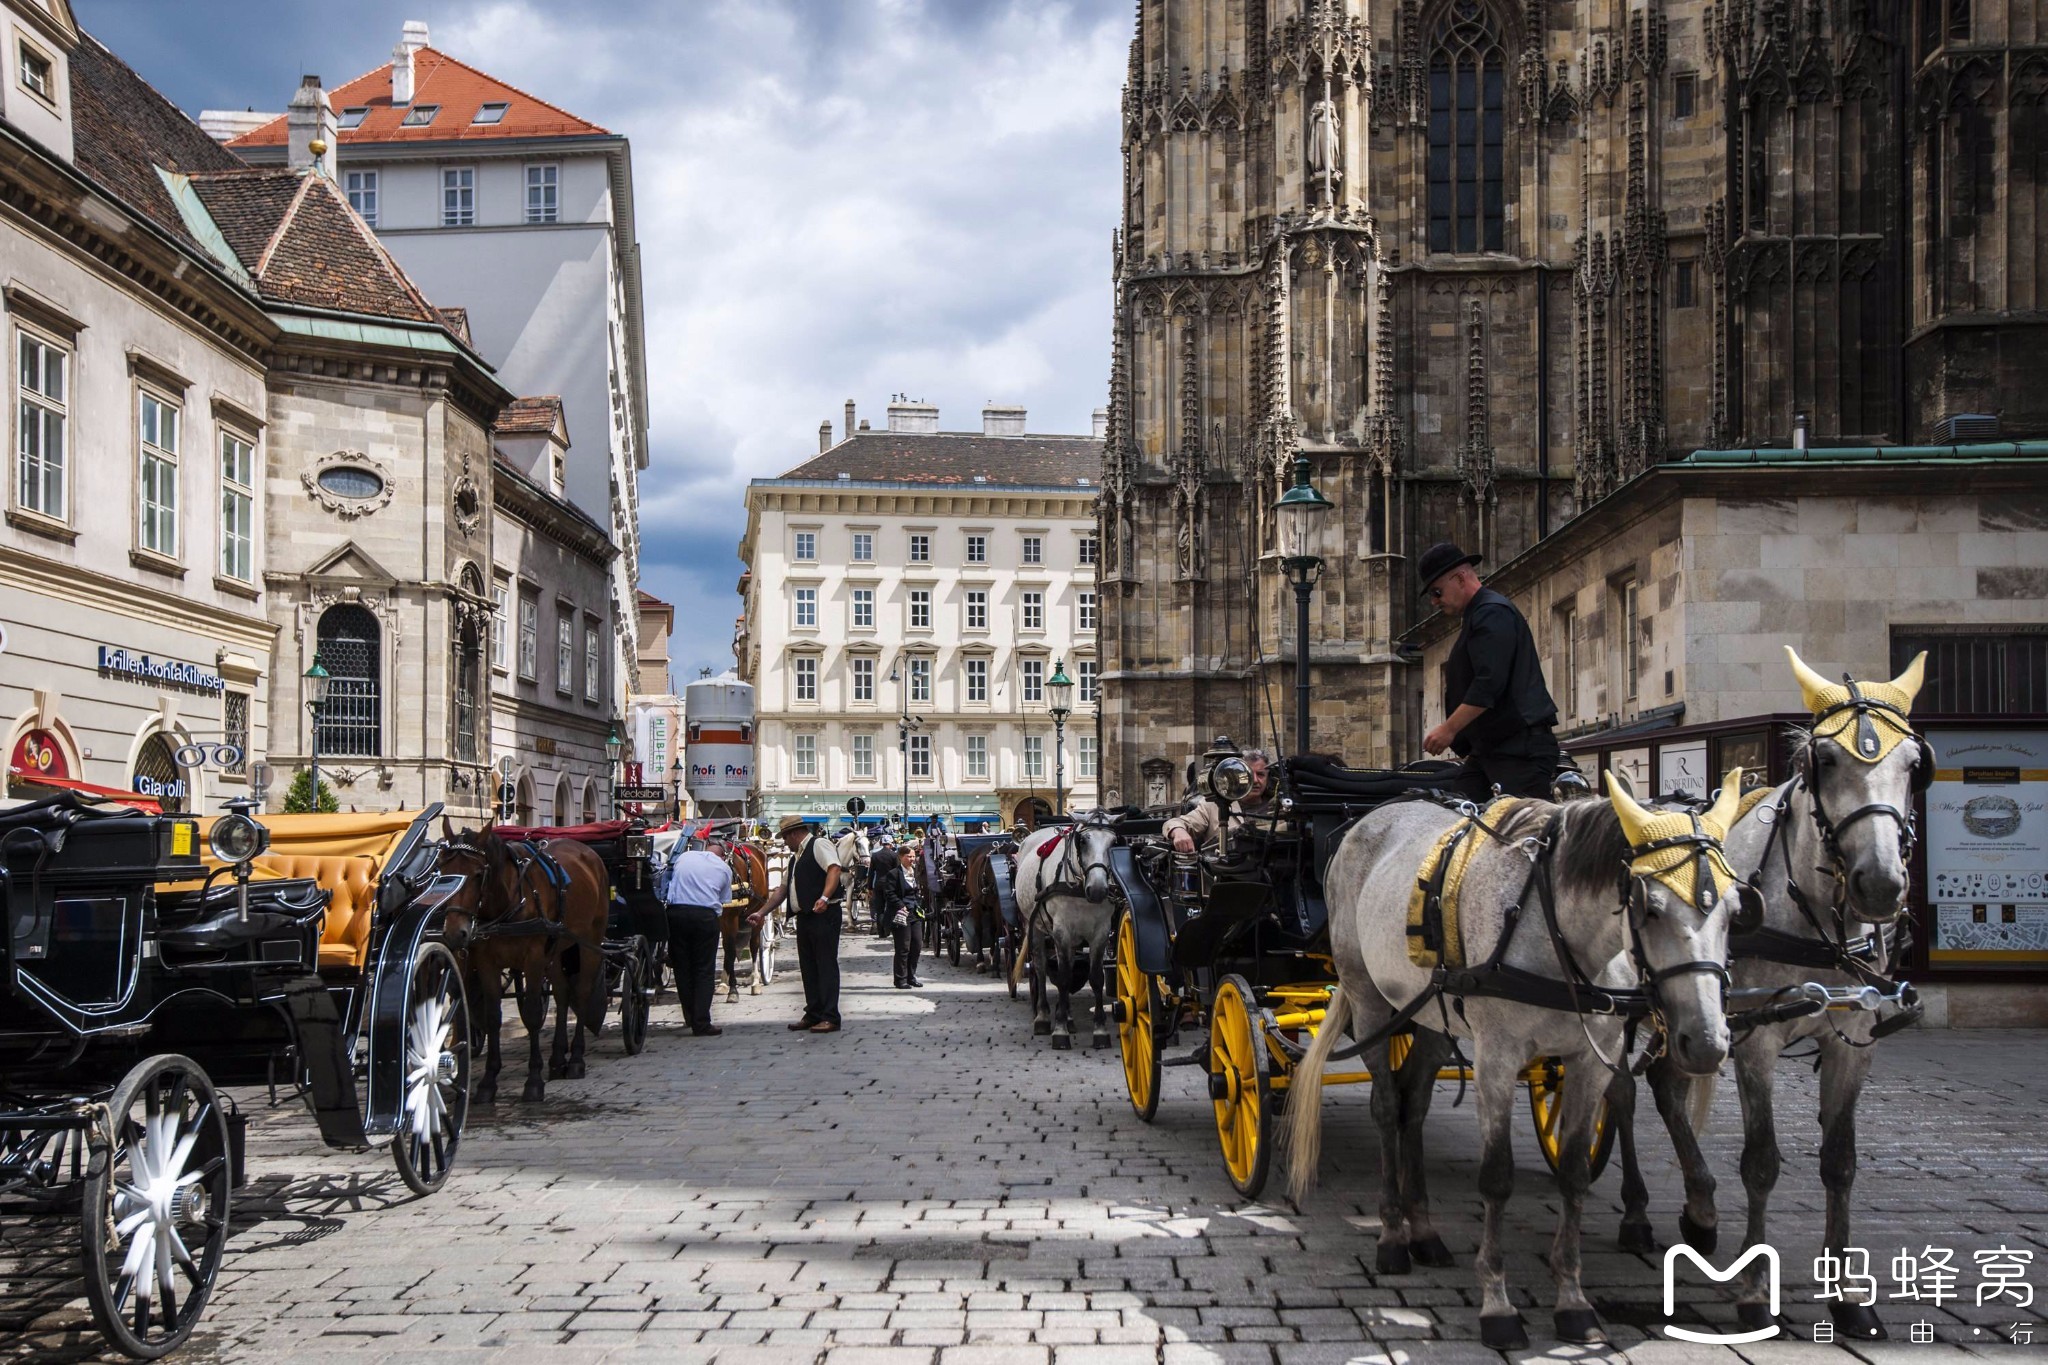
x=1975, y=452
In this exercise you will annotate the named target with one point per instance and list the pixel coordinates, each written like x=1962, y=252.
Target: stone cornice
x=919, y=500
x=558, y=521
x=30, y=572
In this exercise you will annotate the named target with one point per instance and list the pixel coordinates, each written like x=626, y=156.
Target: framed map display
x=1985, y=834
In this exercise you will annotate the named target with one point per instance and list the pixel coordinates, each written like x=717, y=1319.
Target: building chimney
x=1001, y=419
x=1101, y=424
x=849, y=417
x=310, y=129
x=824, y=436
x=913, y=418
x=411, y=39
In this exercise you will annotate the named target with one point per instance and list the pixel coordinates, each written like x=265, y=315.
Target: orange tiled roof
x=534, y=416
x=459, y=89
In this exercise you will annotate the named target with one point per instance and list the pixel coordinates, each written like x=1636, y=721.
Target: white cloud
x=836, y=200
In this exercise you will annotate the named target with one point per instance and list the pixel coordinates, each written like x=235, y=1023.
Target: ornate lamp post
x=613, y=745
x=905, y=725
x=678, y=770
x=1060, y=691
x=316, y=679
x=1301, y=510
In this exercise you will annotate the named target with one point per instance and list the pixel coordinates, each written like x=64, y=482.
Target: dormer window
x=38, y=75
x=419, y=116
x=353, y=117
x=491, y=113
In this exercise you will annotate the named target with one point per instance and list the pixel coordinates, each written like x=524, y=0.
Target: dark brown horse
x=512, y=917
x=749, y=884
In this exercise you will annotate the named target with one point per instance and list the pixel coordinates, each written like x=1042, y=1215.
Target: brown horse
x=749, y=884
x=512, y=917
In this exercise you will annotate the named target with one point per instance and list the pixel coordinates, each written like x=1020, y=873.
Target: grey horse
x=1063, y=896
x=1829, y=851
x=1671, y=940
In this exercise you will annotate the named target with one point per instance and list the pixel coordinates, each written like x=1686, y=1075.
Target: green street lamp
x=1301, y=510
x=317, y=680
x=613, y=745
x=1060, y=692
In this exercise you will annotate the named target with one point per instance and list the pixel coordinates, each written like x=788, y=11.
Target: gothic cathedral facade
x=1481, y=261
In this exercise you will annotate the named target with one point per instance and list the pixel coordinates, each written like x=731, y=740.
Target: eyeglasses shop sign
x=126, y=663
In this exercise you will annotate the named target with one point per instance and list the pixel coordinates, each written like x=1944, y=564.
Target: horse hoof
x=485, y=1094
x=1755, y=1317
x=573, y=1072
x=558, y=1071
x=1701, y=1237
x=732, y=997
x=1857, y=1322
x=1062, y=1041
x=1503, y=1332
x=1392, y=1259
x=1431, y=1251
x=1039, y=1028
x=1102, y=1040
x=534, y=1093
x=1638, y=1237
x=1580, y=1326
x=754, y=989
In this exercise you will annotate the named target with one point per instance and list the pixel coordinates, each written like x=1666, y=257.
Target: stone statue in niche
x=1158, y=774
x=1325, y=146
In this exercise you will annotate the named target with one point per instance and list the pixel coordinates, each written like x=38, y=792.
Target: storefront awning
x=147, y=805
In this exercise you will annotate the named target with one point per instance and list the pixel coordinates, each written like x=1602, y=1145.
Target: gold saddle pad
x=1434, y=937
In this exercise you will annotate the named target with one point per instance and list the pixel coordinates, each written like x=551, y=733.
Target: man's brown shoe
x=800, y=1025
x=825, y=1026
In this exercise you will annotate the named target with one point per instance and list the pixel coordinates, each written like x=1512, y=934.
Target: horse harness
x=527, y=856
x=1067, y=875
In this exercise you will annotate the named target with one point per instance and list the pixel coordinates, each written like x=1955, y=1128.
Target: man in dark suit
x=1498, y=713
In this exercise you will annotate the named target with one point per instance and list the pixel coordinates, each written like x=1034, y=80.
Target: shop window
x=1981, y=672
x=158, y=776
x=351, y=723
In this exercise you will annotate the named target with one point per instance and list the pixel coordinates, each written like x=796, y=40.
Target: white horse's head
x=1681, y=898
x=1094, y=836
x=1862, y=767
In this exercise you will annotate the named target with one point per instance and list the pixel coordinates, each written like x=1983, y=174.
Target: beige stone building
x=1482, y=262
x=940, y=575
x=1663, y=613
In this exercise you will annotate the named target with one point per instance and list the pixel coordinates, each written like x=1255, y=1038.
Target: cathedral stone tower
x=1481, y=261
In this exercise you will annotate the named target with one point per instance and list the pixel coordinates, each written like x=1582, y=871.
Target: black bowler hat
x=1438, y=560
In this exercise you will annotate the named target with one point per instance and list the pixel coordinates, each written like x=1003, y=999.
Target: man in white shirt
x=699, y=884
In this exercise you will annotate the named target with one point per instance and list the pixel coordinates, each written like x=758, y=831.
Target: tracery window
x=1467, y=92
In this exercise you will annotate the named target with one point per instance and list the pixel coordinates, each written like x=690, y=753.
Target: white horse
x=1063, y=897
x=1537, y=921
x=1829, y=851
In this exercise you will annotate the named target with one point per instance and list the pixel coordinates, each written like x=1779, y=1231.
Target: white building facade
x=939, y=576
x=516, y=218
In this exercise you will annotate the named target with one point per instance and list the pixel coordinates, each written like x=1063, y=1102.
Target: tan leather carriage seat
x=345, y=854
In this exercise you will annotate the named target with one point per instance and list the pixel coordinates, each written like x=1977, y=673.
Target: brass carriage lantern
x=1059, y=689
x=1300, y=513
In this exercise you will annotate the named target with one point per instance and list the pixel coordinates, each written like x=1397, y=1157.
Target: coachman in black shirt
x=1497, y=712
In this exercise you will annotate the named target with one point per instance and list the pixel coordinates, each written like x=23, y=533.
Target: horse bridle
x=1868, y=744
x=1705, y=893
x=1060, y=884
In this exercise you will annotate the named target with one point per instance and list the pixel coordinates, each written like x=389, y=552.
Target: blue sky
x=837, y=199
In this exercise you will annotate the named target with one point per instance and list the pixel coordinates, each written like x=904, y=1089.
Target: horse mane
x=1591, y=848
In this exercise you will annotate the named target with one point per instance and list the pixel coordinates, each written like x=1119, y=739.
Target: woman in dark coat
x=895, y=905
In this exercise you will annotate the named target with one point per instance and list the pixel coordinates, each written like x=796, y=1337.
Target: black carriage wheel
x=954, y=937
x=437, y=1051
x=155, y=1209
x=632, y=1009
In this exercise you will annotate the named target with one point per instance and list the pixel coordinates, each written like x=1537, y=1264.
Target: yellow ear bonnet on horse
x=1890, y=728
x=1676, y=866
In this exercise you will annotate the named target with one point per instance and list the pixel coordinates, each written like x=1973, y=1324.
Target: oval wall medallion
x=348, y=483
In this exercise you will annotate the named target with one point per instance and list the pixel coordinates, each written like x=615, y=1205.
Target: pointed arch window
x=1467, y=102
x=351, y=721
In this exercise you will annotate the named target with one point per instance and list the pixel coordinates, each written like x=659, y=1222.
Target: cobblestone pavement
x=935, y=1187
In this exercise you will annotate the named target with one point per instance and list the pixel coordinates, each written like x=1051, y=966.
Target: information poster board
x=1682, y=769
x=1986, y=842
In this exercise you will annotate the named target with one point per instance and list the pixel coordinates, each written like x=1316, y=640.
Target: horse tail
x=1023, y=953
x=1305, y=1100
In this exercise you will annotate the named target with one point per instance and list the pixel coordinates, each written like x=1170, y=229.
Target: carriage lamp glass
x=236, y=838
x=1231, y=779
x=612, y=745
x=1059, y=688
x=317, y=677
x=1301, y=509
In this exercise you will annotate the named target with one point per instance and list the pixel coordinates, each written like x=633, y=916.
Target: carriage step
x=1199, y=1057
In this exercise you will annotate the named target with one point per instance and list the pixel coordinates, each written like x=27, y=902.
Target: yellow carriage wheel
x=1398, y=1048
x=1240, y=1086
x=1137, y=1010
x=1546, y=1094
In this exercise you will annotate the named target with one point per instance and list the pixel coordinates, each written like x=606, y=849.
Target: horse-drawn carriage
x=148, y=961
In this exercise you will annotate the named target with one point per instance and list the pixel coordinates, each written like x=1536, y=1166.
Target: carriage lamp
x=1060, y=688
x=1300, y=514
x=1231, y=780
x=236, y=838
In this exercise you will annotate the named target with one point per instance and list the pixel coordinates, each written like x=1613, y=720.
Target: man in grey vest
x=812, y=893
